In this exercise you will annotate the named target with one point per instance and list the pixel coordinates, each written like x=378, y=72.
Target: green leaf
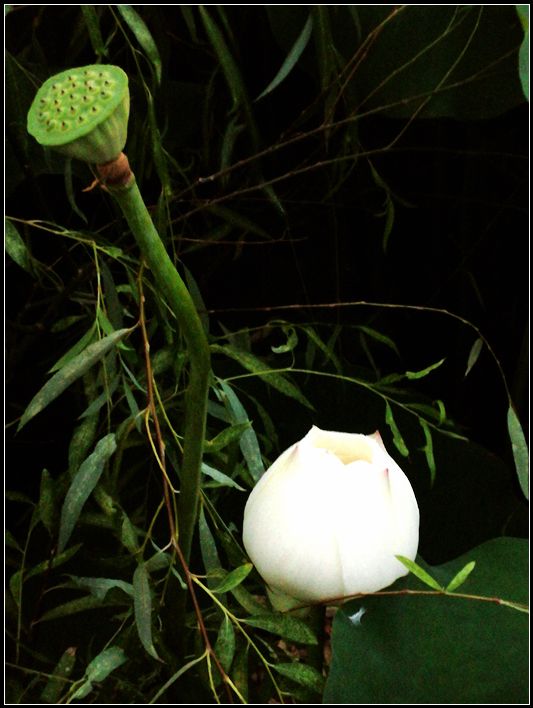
x=142, y=604
x=441, y=649
x=326, y=349
x=523, y=55
x=83, y=483
x=290, y=344
x=208, y=546
x=81, y=442
x=285, y=626
x=474, y=355
x=143, y=35
x=90, y=17
x=58, y=681
x=225, y=643
x=303, y=674
x=99, y=587
x=227, y=62
x=520, y=451
x=248, y=441
x=107, y=661
x=417, y=47
x=247, y=601
x=81, y=604
x=256, y=366
x=235, y=578
x=70, y=373
x=461, y=576
x=379, y=337
x=411, y=375
x=397, y=436
x=47, y=502
x=220, y=477
x=16, y=248
x=226, y=437
x=99, y=669
x=291, y=59
x=43, y=567
x=74, y=350
x=420, y=573
x=428, y=449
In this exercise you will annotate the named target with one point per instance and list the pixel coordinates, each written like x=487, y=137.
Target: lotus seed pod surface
x=83, y=112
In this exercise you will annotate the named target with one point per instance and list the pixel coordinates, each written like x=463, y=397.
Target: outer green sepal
x=83, y=113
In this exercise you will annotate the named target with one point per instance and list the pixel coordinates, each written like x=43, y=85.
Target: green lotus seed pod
x=83, y=113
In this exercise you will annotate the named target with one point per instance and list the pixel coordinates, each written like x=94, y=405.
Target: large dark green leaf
x=438, y=648
x=464, y=58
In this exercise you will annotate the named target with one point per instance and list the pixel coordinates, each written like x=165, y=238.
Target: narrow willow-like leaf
x=248, y=441
x=47, y=502
x=240, y=672
x=107, y=661
x=258, y=367
x=285, y=626
x=15, y=247
x=291, y=59
x=326, y=349
x=227, y=62
x=379, y=337
x=225, y=643
x=102, y=399
x=291, y=343
x=428, y=449
x=397, y=436
x=220, y=477
x=43, y=567
x=235, y=578
x=129, y=534
x=424, y=372
x=190, y=21
x=420, y=573
x=81, y=442
x=389, y=222
x=442, y=411
x=461, y=576
x=523, y=55
x=93, y=28
x=302, y=674
x=58, y=681
x=208, y=546
x=83, y=483
x=226, y=437
x=99, y=669
x=83, y=691
x=475, y=351
x=70, y=373
x=247, y=601
x=142, y=604
x=520, y=451
x=143, y=36
x=99, y=587
x=81, y=604
x=74, y=350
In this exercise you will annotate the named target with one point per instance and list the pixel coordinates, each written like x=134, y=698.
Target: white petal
x=288, y=530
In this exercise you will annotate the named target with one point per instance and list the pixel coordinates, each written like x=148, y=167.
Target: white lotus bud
x=329, y=516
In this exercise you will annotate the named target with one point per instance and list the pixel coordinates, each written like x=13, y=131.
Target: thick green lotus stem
x=122, y=185
x=83, y=113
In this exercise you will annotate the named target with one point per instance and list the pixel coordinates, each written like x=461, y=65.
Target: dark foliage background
x=457, y=175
